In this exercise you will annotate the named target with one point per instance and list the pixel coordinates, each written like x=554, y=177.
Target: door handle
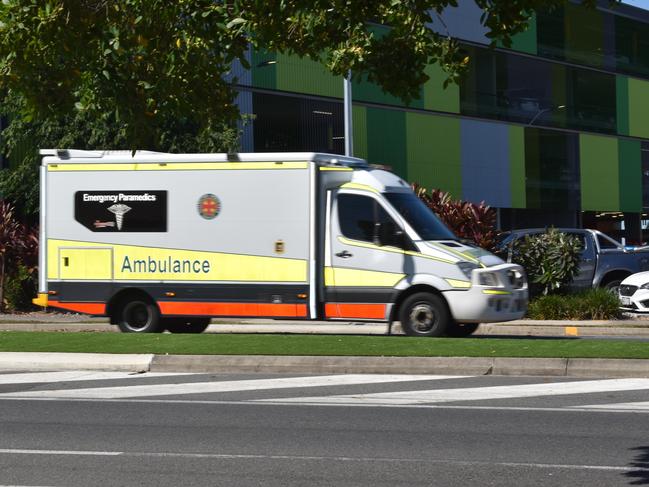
x=344, y=254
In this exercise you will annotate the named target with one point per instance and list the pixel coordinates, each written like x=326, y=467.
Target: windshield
x=420, y=217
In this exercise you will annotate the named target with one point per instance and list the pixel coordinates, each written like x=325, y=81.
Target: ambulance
x=158, y=241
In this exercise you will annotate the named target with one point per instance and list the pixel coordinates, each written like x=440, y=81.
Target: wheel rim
x=422, y=317
x=137, y=316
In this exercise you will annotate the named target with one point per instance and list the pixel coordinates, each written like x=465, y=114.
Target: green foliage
x=472, y=221
x=20, y=288
x=594, y=304
x=146, y=62
x=551, y=259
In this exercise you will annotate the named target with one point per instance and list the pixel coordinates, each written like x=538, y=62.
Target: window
x=420, y=217
x=363, y=218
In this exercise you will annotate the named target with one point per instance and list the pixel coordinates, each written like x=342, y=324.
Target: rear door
x=366, y=259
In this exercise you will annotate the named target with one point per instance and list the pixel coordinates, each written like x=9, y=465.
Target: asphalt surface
x=222, y=430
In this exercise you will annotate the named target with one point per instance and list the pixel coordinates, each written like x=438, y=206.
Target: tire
x=459, y=330
x=185, y=325
x=424, y=315
x=139, y=315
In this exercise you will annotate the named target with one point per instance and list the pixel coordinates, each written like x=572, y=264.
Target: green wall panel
x=434, y=157
x=600, y=174
x=630, y=175
x=386, y=139
x=302, y=75
x=263, y=75
x=517, y=166
x=638, y=107
x=436, y=97
x=359, y=125
x=622, y=104
x=526, y=41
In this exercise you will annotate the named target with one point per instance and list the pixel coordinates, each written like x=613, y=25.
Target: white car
x=634, y=293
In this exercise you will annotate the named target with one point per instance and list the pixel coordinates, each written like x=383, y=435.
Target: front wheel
x=186, y=325
x=139, y=316
x=424, y=315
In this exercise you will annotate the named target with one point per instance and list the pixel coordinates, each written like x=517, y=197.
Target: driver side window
x=363, y=218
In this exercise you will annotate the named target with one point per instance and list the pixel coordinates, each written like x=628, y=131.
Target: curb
x=556, y=367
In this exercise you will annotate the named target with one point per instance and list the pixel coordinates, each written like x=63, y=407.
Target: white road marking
x=224, y=386
x=234, y=456
x=475, y=393
x=70, y=376
x=630, y=406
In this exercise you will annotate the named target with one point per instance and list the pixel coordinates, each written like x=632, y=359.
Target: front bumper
x=638, y=302
x=489, y=304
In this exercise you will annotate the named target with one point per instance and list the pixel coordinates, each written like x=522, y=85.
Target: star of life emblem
x=209, y=206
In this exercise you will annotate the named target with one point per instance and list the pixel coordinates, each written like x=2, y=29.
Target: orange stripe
x=232, y=309
x=353, y=310
x=87, y=308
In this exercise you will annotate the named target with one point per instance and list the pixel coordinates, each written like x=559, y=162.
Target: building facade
x=552, y=131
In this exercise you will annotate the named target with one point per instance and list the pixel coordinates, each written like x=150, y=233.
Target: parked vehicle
x=166, y=241
x=604, y=262
x=634, y=293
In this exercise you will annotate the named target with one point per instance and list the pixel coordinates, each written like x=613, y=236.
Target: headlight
x=645, y=286
x=488, y=279
x=467, y=268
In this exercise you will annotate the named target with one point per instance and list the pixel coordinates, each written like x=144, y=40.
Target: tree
x=151, y=61
x=22, y=138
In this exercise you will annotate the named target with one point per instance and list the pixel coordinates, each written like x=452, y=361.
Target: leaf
x=235, y=22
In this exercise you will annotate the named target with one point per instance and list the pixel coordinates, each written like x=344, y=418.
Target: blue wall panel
x=485, y=163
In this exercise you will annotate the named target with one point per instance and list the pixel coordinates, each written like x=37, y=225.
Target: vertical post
x=347, y=102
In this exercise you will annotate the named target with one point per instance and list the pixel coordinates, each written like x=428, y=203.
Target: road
x=114, y=429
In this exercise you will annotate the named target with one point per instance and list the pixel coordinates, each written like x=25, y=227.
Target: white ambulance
x=161, y=241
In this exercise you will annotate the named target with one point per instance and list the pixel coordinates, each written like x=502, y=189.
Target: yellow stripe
x=493, y=291
x=144, y=263
x=339, y=276
x=457, y=283
x=363, y=187
x=464, y=255
x=336, y=169
x=177, y=166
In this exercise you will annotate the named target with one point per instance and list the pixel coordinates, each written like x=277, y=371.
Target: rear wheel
x=138, y=315
x=424, y=314
x=186, y=325
x=459, y=330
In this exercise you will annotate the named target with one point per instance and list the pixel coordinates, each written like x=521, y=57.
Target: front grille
x=626, y=290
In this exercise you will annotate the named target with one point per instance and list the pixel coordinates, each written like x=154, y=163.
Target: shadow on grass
x=639, y=476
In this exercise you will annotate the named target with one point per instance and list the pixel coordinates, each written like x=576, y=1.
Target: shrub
x=594, y=304
x=472, y=221
x=551, y=260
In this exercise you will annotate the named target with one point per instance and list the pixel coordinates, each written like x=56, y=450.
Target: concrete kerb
x=557, y=367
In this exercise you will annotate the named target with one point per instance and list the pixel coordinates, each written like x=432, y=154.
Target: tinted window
x=362, y=218
x=420, y=217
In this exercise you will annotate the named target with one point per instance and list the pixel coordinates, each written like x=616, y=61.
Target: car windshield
x=420, y=217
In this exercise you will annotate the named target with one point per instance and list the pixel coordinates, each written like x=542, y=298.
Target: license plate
x=625, y=301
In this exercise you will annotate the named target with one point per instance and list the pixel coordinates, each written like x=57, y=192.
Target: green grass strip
x=342, y=345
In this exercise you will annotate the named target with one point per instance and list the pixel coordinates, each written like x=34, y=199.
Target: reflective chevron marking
x=475, y=393
x=223, y=386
